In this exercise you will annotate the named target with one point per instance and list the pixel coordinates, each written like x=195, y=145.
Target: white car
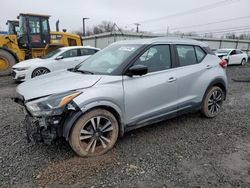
x=62, y=58
x=232, y=56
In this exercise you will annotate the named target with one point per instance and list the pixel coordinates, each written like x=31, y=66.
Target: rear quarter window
x=209, y=51
x=200, y=54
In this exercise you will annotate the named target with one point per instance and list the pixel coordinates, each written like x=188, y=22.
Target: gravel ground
x=188, y=151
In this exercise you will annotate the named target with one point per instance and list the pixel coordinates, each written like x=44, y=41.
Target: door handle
x=208, y=67
x=172, y=79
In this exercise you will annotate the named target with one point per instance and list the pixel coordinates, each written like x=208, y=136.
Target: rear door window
x=87, y=51
x=186, y=55
x=70, y=53
x=239, y=52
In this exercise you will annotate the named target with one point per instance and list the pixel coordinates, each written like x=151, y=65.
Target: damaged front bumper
x=52, y=123
x=44, y=129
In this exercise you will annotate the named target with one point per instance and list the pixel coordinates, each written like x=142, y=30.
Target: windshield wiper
x=83, y=71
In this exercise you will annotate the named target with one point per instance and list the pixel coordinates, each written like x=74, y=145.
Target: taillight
x=223, y=63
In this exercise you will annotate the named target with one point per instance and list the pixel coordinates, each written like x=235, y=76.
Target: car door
x=190, y=72
x=240, y=56
x=233, y=57
x=68, y=59
x=154, y=94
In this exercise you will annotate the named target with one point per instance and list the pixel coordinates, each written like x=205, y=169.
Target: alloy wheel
x=215, y=102
x=243, y=62
x=39, y=72
x=96, y=134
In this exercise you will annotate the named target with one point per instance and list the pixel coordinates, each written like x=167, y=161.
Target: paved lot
x=188, y=151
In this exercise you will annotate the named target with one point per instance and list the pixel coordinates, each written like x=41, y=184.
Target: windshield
x=108, y=59
x=51, y=54
x=223, y=51
x=22, y=26
x=13, y=28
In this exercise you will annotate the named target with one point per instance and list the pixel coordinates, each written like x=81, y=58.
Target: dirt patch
x=70, y=171
x=238, y=162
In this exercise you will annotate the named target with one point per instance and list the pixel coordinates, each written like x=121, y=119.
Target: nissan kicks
x=127, y=85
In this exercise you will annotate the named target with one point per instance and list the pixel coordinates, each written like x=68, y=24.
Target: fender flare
x=72, y=118
x=217, y=81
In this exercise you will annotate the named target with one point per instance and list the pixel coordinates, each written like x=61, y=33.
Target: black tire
x=212, y=102
x=89, y=140
x=7, y=60
x=226, y=61
x=39, y=71
x=243, y=62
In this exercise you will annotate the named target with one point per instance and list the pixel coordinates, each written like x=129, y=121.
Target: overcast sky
x=177, y=13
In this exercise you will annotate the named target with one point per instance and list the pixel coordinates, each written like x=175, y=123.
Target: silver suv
x=127, y=85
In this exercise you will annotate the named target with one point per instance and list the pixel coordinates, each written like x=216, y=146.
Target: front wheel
x=7, y=60
x=94, y=133
x=243, y=62
x=212, y=102
x=39, y=72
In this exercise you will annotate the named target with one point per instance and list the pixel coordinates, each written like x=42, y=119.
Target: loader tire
x=7, y=60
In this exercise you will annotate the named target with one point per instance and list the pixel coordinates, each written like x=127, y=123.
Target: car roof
x=170, y=40
x=74, y=47
x=229, y=49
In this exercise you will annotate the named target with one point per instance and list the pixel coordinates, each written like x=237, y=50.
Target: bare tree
x=104, y=26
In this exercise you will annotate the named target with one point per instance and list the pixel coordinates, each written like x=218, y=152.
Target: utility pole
x=83, y=26
x=137, y=27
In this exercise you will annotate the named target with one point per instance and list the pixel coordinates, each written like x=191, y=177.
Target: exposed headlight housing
x=51, y=105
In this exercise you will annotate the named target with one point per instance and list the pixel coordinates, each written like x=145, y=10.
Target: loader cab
x=13, y=27
x=34, y=31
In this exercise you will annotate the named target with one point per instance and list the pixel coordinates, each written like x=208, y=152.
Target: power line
x=191, y=26
x=211, y=23
x=229, y=31
x=225, y=29
x=192, y=11
x=220, y=32
x=223, y=32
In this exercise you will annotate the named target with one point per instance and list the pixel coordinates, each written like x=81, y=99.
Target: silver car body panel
x=56, y=82
x=136, y=99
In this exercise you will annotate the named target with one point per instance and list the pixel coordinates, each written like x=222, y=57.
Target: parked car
x=127, y=85
x=233, y=56
x=62, y=58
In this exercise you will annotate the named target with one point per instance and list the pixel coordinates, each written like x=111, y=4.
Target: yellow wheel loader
x=34, y=39
x=13, y=27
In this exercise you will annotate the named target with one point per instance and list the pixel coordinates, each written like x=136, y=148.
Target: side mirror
x=137, y=70
x=59, y=57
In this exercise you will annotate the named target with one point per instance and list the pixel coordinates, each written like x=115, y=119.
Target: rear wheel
x=39, y=71
x=7, y=60
x=243, y=62
x=94, y=133
x=212, y=102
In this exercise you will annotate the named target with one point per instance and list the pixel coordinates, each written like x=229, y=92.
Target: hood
x=221, y=54
x=30, y=62
x=56, y=82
